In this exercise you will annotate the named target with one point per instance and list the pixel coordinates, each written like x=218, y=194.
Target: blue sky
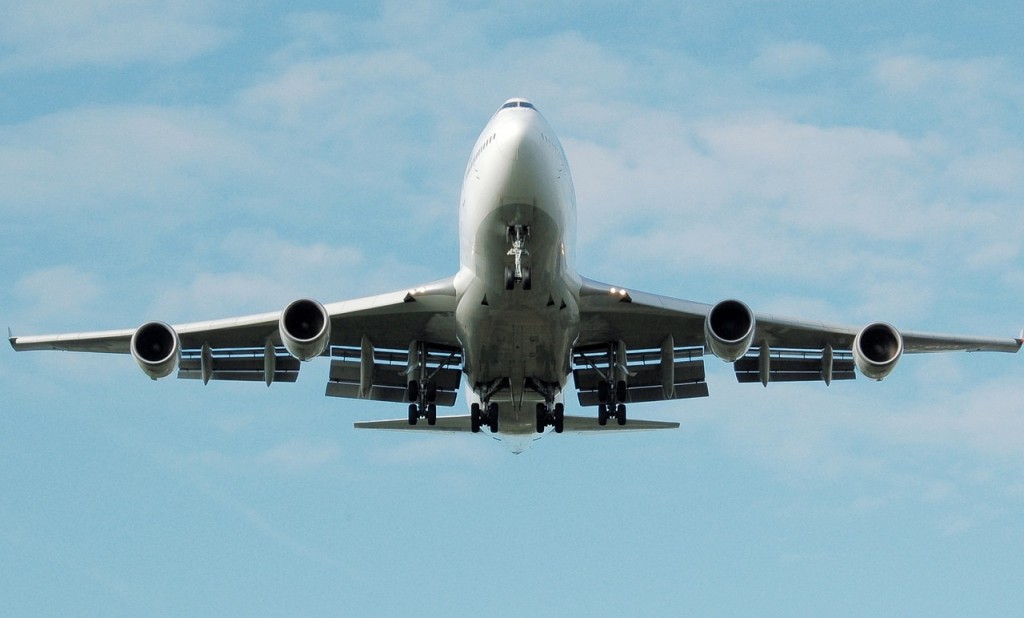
x=844, y=162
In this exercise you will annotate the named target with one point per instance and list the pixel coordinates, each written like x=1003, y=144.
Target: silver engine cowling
x=156, y=348
x=729, y=330
x=305, y=329
x=876, y=350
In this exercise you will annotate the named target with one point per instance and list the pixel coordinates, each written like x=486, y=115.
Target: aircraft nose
x=520, y=138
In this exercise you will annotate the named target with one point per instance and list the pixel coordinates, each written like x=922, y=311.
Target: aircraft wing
x=657, y=343
x=240, y=348
x=643, y=320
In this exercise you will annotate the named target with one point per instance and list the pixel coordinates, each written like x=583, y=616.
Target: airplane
x=517, y=321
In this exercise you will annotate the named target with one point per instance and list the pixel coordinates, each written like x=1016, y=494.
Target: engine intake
x=305, y=329
x=729, y=330
x=156, y=348
x=876, y=350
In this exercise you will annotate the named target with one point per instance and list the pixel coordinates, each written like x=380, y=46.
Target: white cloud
x=109, y=33
x=911, y=74
x=791, y=59
x=111, y=159
x=258, y=271
x=56, y=295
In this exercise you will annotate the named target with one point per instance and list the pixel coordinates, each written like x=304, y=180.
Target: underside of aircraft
x=515, y=323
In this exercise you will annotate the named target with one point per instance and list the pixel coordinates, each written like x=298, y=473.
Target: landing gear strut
x=611, y=404
x=553, y=416
x=423, y=405
x=517, y=235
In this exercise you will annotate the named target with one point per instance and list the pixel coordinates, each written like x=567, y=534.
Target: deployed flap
x=645, y=371
x=247, y=364
x=795, y=366
x=389, y=378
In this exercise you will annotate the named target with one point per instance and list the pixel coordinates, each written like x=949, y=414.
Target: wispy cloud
x=55, y=294
x=792, y=59
x=106, y=33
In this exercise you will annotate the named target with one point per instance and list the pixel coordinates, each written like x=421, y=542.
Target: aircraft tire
x=474, y=418
x=492, y=417
x=414, y=413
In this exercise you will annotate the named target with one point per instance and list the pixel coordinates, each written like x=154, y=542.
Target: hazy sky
x=848, y=162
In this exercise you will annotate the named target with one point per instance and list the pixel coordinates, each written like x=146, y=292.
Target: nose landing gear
x=517, y=236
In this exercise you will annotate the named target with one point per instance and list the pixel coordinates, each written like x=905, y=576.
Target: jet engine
x=156, y=348
x=305, y=329
x=729, y=330
x=876, y=350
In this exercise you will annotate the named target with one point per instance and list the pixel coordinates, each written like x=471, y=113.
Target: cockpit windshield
x=518, y=103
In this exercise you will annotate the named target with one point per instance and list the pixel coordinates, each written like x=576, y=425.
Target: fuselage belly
x=517, y=313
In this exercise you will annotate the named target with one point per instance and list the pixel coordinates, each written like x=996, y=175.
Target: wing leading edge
x=251, y=347
x=653, y=346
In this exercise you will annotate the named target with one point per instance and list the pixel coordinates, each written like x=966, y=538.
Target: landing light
x=622, y=294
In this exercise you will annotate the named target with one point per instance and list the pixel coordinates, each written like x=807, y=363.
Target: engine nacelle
x=729, y=330
x=156, y=348
x=305, y=329
x=876, y=350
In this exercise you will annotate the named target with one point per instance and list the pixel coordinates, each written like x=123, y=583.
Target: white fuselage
x=517, y=342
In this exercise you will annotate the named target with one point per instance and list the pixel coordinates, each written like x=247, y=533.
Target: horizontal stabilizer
x=573, y=424
x=444, y=423
x=588, y=424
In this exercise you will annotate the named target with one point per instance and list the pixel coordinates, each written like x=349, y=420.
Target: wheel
x=414, y=390
x=559, y=417
x=620, y=391
x=492, y=417
x=620, y=414
x=542, y=417
x=602, y=414
x=602, y=391
x=431, y=414
x=474, y=418
x=527, y=278
x=510, y=278
x=414, y=413
x=431, y=391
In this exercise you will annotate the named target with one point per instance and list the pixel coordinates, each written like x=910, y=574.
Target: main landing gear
x=517, y=235
x=611, y=404
x=479, y=417
x=553, y=416
x=423, y=405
